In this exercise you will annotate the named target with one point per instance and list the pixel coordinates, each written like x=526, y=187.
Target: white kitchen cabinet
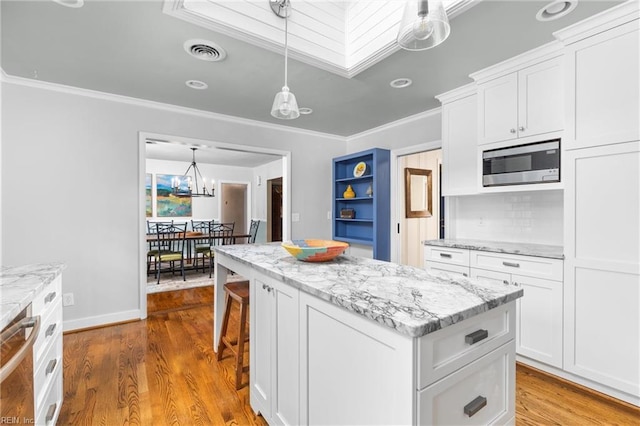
x=459, y=141
x=47, y=354
x=521, y=104
x=274, y=336
x=603, y=106
x=602, y=267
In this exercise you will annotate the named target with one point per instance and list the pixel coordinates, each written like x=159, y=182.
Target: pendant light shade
x=424, y=25
x=285, y=105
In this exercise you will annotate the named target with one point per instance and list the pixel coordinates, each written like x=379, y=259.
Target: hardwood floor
x=163, y=371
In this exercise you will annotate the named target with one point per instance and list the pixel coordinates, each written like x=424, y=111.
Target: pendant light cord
x=286, y=41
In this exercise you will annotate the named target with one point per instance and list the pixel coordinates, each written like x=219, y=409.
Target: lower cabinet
x=274, y=337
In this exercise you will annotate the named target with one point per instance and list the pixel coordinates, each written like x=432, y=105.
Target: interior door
x=234, y=205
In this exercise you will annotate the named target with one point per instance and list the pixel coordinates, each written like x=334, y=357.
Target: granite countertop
x=407, y=299
x=524, y=249
x=19, y=286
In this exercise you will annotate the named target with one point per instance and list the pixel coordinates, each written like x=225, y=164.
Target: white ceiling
x=132, y=48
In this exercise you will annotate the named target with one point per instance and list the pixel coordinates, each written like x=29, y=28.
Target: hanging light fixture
x=192, y=183
x=424, y=25
x=284, y=106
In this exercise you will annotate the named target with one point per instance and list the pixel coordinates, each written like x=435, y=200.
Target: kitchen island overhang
x=362, y=301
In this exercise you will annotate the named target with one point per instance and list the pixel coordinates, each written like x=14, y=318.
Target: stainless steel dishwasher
x=16, y=369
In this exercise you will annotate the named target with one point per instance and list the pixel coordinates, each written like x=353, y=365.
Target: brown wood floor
x=163, y=371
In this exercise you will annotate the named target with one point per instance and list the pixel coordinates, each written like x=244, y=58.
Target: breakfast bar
x=362, y=341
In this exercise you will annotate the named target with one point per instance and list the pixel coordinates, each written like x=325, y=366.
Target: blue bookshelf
x=371, y=225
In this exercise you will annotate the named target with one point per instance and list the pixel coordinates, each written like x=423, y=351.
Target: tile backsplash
x=528, y=217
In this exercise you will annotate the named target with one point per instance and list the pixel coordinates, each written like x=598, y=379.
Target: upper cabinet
x=362, y=215
x=522, y=97
x=459, y=141
x=602, y=101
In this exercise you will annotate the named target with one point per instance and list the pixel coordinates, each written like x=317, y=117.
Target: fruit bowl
x=315, y=250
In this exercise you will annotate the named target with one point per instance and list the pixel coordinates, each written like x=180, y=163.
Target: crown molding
x=603, y=21
x=391, y=125
x=458, y=93
x=55, y=87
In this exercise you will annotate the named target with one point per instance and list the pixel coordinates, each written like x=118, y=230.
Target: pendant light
x=284, y=106
x=193, y=183
x=424, y=25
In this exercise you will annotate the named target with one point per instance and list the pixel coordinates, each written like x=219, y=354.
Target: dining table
x=193, y=235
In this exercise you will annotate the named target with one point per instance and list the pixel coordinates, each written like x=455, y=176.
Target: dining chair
x=221, y=234
x=171, y=241
x=253, y=231
x=201, y=246
x=152, y=244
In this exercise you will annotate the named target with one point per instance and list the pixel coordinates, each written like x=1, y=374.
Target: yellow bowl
x=315, y=250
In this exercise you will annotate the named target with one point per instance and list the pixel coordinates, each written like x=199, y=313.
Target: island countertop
x=407, y=299
x=525, y=249
x=19, y=285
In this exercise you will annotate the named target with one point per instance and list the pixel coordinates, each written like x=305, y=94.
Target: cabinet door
x=498, y=109
x=285, y=355
x=459, y=146
x=539, y=320
x=492, y=276
x=260, y=326
x=540, y=98
x=602, y=264
x=602, y=88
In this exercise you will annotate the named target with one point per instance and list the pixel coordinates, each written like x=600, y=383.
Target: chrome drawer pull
x=50, y=412
x=49, y=297
x=464, y=274
x=50, y=330
x=513, y=265
x=51, y=366
x=505, y=282
x=476, y=336
x=474, y=406
x=447, y=255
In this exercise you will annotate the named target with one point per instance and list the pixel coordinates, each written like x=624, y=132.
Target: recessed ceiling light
x=305, y=110
x=205, y=50
x=196, y=84
x=401, y=83
x=70, y=3
x=556, y=9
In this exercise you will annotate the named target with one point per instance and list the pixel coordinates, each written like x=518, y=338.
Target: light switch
x=295, y=217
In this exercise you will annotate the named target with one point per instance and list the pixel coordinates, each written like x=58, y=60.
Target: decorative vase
x=370, y=191
x=348, y=193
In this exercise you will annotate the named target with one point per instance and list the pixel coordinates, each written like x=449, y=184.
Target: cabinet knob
x=512, y=130
x=521, y=128
x=505, y=282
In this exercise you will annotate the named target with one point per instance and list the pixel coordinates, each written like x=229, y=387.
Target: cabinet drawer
x=452, y=256
x=48, y=297
x=438, y=267
x=50, y=330
x=539, y=267
x=447, y=350
x=481, y=393
x=47, y=414
x=46, y=370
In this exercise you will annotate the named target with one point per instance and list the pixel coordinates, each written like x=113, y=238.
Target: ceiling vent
x=205, y=50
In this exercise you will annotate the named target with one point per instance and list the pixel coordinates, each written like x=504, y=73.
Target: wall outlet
x=295, y=217
x=67, y=299
x=481, y=221
x=329, y=215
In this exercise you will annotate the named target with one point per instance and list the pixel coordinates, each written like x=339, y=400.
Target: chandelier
x=193, y=183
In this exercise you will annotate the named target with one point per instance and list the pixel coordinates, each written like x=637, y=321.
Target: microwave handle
x=26, y=347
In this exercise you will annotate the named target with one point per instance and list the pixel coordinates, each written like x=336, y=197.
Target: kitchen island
x=361, y=341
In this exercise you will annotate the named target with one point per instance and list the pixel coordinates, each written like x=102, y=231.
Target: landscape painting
x=169, y=204
x=147, y=195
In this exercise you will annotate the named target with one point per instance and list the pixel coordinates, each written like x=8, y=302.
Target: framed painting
x=172, y=196
x=147, y=195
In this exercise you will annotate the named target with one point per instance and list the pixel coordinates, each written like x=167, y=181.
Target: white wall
x=265, y=172
x=75, y=155
x=201, y=208
x=525, y=217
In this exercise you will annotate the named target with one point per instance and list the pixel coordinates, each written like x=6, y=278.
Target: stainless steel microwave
x=537, y=162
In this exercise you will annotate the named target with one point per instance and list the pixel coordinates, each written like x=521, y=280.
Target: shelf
x=355, y=199
x=353, y=179
x=354, y=220
x=365, y=241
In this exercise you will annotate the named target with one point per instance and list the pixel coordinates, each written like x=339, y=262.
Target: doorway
x=274, y=209
x=233, y=205
x=413, y=231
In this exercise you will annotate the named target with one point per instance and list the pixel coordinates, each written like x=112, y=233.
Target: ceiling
x=132, y=48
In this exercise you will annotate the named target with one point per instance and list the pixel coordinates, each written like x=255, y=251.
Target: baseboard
x=579, y=388
x=101, y=320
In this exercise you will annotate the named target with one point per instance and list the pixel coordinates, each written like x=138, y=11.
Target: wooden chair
x=171, y=240
x=237, y=292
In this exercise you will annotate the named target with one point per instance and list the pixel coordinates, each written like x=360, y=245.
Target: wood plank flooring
x=163, y=371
